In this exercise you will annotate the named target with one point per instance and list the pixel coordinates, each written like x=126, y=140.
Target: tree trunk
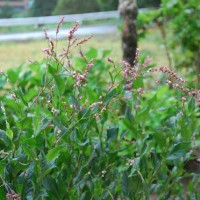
x=128, y=10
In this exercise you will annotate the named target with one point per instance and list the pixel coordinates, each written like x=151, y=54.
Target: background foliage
x=185, y=41
x=43, y=8
x=61, y=7
x=181, y=44
x=6, y=12
x=75, y=6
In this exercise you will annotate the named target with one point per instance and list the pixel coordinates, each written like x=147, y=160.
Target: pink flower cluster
x=177, y=86
x=81, y=79
x=167, y=71
x=189, y=92
x=75, y=28
x=128, y=70
x=147, y=61
x=110, y=60
x=59, y=24
x=84, y=40
x=140, y=91
x=13, y=196
x=136, y=56
x=173, y=75
x=47, y=52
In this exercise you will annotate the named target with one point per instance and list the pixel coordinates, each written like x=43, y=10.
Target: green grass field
x=14, y=54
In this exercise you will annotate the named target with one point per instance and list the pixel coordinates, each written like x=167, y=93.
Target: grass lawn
x=13, y=54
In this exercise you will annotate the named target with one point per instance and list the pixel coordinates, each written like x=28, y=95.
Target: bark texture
x=128, y=10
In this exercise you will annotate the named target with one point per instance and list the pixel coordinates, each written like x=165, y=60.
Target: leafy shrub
x=181, y=40
x=64, y=7
x=185, y=41
x=42, y=8
x=149, y=3
x=6, y=11
x=87, y=128
x=107, y=5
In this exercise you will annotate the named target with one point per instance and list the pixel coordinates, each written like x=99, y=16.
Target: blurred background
x=30, y=8
x=168, y=30
x=16, y=47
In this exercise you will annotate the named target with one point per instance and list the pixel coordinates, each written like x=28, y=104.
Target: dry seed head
x=59, y=24
x=167, y=71
x=47, y=52
x=74, y=29
x=100, y=103
x=84, y=40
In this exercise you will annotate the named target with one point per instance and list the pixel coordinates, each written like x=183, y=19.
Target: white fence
x=56, y=19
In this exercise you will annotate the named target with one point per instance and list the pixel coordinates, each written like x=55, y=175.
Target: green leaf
x=2, y=194
x=105, y=53
x=127, y=123
x=112, y=133
x=24, y=123
x=138, y=83
x=45, y=122
x=40, y=194
x=160, y=138
x=29, y=152
x=178, y=151
x=3, y=81
x=2, y=167
x=73, y=101
x=132, y=186
x=191, y=104
x=82, y=144
x=51, y=70
x=60, y=85
x=145, y=186
x=4, y=139
x=111, y=77
x=9, y=132
x=152, y=101
x=53, y=153
x=92, y=53
x=51, y=185
x=91, y=94
x=30, y=94
x=20, y=94
x=135, y=167
x=13, y=74
x=125, y=183
x=46, y=169
x=43, y=79
x=135, y=186
x=110, y=95
x=142, y=114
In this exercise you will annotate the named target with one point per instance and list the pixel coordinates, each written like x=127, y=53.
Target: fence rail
x=67, y=18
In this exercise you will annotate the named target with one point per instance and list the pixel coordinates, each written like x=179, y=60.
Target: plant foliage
x=87, y=128
x=179, y=24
